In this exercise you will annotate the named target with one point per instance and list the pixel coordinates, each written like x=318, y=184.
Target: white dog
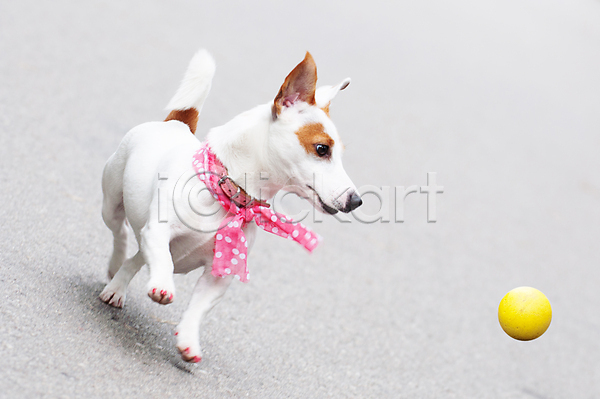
x=158, y=181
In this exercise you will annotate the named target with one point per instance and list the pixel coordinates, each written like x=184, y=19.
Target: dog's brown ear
x=299, y=85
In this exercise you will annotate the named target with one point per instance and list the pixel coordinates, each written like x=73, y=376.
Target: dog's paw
x=189, y=349
x=162, y=295
x=113, y=297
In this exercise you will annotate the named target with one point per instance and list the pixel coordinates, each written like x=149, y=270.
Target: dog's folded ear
x=299, y=85
x=325, y=94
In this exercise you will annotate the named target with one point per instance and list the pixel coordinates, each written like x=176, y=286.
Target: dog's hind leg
x=115, y=291
x=113, y=211
x=208, y=292
x=120, y=233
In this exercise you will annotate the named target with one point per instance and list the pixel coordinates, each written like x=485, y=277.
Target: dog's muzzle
x=353, y=202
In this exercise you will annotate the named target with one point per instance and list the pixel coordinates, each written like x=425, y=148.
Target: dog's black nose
x=355, y=201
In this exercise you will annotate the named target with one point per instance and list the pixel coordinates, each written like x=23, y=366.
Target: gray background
x=500, y=98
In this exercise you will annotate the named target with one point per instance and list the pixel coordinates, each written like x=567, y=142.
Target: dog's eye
x=322, y=150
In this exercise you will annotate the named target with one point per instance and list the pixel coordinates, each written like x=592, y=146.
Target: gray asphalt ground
x=500, y=98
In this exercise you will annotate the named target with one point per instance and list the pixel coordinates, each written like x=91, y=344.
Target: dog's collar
x=230, y=250
x=237, y=194
x=211, y=165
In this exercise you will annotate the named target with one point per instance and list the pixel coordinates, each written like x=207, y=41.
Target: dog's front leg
x=207, y=293
x=155, y=247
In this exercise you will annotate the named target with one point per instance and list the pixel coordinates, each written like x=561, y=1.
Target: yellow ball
x=524, y=313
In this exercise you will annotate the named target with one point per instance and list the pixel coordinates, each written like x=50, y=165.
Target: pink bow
x=231, y=246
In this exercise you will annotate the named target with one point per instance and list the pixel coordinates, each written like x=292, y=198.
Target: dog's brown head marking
x=299, y=85
x=315, y=140
x=188, y=116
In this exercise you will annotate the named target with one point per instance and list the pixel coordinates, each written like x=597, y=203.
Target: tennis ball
x=524, y=313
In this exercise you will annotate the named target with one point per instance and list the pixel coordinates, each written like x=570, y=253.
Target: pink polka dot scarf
x=231, y=247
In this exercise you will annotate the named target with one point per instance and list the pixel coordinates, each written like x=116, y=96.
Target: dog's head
x=305, y=143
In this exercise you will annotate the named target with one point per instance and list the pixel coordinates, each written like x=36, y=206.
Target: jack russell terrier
x=193, y=204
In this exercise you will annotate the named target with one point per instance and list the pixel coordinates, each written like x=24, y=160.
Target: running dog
x=198, y=204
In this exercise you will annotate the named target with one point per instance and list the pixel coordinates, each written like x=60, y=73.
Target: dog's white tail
x=187, y=103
